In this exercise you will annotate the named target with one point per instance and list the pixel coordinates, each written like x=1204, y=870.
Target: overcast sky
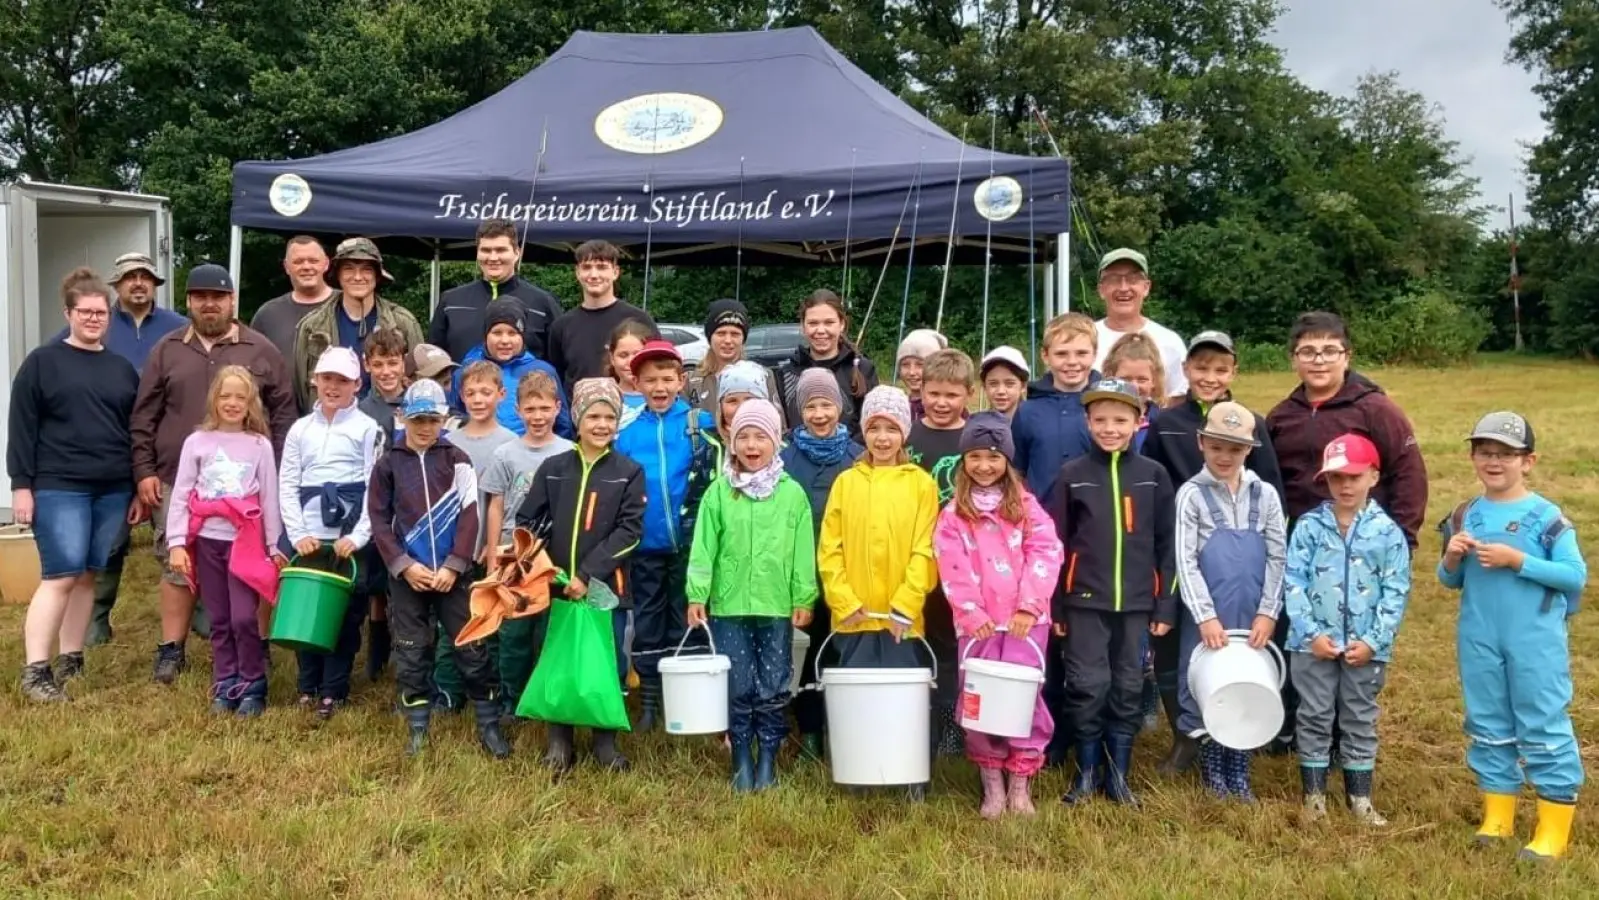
x=1452, y=51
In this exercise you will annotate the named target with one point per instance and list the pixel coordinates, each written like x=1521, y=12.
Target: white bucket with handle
x=802, y=646
x=999, y=697
x=1239, y=691
x=694, y=689
x=878, y=722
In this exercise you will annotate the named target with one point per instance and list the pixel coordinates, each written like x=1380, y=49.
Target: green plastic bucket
x=311, y=605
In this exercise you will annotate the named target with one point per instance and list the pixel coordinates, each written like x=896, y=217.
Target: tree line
x=1257, y=196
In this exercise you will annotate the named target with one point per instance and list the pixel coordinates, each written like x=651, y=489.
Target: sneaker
x=170, y=661
x=68, y=666
x=39, y=684
x=251, y=707
x=306, y=702
x=326, y=707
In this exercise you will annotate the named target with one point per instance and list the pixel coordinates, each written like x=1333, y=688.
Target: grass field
x=133, y=790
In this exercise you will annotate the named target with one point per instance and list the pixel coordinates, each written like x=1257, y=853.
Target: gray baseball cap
x=1504, y=427
x=1114, y=389
x=1218, y=339
x=1126, y=254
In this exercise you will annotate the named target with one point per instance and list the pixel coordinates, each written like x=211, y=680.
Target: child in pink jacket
x=999, y=556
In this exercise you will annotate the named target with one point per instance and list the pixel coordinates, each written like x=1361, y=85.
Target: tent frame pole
x=235, y=254
x=434, y=276
x=1063, y=272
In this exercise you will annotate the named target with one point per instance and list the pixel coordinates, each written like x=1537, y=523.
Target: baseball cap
x=1114, y=389
x=655, y=348
x=1127, y=254
x=1006, y=356
x=1349, y=454
x=424, y=399
x=431, y=361
x=1218, y=339
x=1230, y=422
x=339, y=361
x=209, y=277
x=1504, y=427
x=128, y=263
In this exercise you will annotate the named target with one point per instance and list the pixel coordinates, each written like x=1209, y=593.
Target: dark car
x=772, y=345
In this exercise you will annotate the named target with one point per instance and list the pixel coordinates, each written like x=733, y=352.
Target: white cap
x=339, y=361
x=1009, y=356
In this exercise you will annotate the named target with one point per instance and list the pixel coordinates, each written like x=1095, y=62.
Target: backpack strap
x=1453, y=523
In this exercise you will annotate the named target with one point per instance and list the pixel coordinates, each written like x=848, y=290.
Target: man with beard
x=135, y=327
x=457, y=324
x=279, y=318
x=172, y=403
x=349, y=316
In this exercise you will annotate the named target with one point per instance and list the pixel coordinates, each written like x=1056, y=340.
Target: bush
x=1426, y=329
x=1263, y=358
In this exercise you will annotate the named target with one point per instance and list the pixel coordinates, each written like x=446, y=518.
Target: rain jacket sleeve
x=1165, y=549
x=802, y=571
x=1564, y=571
x=1042, y=555
x=703, y=553
x=380, y=508
x=1190, y=580
x=607, y=556
x=1299, y=576
x=1393, y=582
x=1274, y=527
x=958, y=562
x=841, y=598
x=921, y=573
x=289, y=487
x=1060, y=504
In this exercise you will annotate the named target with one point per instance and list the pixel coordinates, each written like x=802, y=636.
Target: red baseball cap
x=655, y=348
x=1349, y=454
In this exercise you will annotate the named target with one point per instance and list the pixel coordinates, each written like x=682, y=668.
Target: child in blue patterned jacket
x=1347, y=583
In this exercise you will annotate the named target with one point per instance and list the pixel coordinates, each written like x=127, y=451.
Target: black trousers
x=414, y=619
x=327, y=675
x=940, y=624
x=1104, y=672
x=810, y=712
x=660, y=609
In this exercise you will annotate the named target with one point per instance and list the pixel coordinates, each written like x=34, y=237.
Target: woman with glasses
x=70, y=460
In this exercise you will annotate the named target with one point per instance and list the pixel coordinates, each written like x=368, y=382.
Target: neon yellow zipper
x=1116, y=499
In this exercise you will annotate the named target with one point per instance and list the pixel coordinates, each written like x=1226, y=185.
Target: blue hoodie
x=678, y=463
x=511, y=373
x=1050, y=428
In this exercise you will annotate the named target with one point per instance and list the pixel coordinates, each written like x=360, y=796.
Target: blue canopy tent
x=769, y=146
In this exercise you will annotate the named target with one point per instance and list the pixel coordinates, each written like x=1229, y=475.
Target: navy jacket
x=1050, y=428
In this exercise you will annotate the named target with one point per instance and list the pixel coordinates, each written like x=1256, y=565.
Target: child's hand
x=898, y=629
x=1358, y=653
x=1457, y=548
x=856, y=618
x=485, y=556
x=1059, y=628
x=279, y=560
x=576, y=588
x=1261, y=630
x=344, y=548
x=696, y=615
x=178, y=560
x=802, y=618
x=1500, y=556
x=443, y=580
x=1212, y=634
x=1159, y=629
x=307, y=545
x=1022, y=622
x=983, y=632
x=1324, y=648
x=418, y=576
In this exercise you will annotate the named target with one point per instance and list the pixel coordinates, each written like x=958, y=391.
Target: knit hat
x=762, y=415
x=726, y=312
x=818, y=382
x=921, y=343
x=890, y=403
x=590, y=391
x=988, y=431
x=504, y=311
x=743, y=377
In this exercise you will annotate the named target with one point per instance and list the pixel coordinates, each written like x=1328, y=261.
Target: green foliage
x=1420, y=329
x=1264, y=358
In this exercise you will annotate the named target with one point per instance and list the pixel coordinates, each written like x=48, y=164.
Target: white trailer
x=46, y=231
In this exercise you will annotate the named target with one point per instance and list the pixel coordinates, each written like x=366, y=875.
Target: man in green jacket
x=348, y=317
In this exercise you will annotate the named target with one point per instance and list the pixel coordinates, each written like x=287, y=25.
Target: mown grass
x=134, y=791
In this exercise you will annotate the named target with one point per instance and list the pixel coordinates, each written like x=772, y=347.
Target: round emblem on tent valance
x=289, y=195
x=998, y=198
x=657, y=123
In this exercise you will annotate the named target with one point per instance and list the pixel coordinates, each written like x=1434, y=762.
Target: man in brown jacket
x=171, y=405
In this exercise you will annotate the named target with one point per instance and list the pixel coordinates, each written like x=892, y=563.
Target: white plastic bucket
x=1239, y=691
x=802, y=646
x=694, y=690
x=878, y=723
x=999, y=697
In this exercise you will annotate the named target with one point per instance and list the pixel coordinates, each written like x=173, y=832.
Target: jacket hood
x=1355, y=387
x=1045, y=387
x=525, y=358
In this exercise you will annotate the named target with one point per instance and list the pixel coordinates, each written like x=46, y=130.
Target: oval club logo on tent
x=289, y=195
x=657, y=123
x=998, y=198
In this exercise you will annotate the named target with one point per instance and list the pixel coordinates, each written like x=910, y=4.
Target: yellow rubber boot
x=1498, y=818
x=1549, y=842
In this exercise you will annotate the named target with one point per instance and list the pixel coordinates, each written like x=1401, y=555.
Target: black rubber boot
x=1119, y=762
x=650, y=705
x=606, y=753
x=488, y=728
x=418, y=718
x=558, y=754
x=1184, y=749
x=766, y=768
x=1089, y=755
x=743, y=767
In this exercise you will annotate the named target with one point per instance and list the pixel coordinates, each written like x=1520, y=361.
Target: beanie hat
x=504, y=311
x=988, y=431
x=921, y=343
x=743, y=377
x=590, y=391
x=762, y=415
x=818, y=382
x=726, y=312
x=890, y=403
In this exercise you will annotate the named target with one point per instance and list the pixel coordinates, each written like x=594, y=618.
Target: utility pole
x=1515, y=275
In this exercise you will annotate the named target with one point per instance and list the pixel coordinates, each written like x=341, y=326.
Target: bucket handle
x=817, y=666
x=690, y=630
x=351, y=560
x=998, y=632
x=1237, y=635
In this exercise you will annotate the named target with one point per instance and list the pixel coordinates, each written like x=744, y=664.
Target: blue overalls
x=1233, y=562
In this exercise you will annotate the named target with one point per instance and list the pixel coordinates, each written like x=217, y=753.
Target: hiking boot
x=559, y=754
x=743, y=767
x=766, y=767
x=39, y=684
x=811, y=747
x=1021, y=795
x=1089, y=754
x=1357, y=792
x=1213, y=767
x=1553, y=835
x=649, y=705
x=225, y=697
x=488, y=728
x=170, y=661
x=1498, y=819
x=1118, y=763
x=251, y=707
x=379, y=644
x=993, y=805
x=68, y=666
x=1184, y=749
x=417, y=719
x=606, y=752
x=1236, y=768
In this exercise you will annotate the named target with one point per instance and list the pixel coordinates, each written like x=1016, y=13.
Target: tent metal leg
x=433, y=280
x=235, y=254
x=1063, y=272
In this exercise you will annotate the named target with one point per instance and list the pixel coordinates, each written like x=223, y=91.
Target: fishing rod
x=738, y=272
x=988, y=246
x=849, y=222
x=910, y=265
x=538, y=166
x=887, y=257
x=949, y=252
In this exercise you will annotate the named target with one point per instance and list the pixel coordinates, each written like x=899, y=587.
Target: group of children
x=1080, y=512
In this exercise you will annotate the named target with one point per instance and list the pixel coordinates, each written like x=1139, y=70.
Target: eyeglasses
x=1497, y=456
x=91, y=314
x=1122, y=280
x=1320, y=354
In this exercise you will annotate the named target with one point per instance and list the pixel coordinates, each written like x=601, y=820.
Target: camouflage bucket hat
x=357, y=248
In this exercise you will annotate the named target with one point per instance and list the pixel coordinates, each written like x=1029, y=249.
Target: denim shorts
x=76, y=531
